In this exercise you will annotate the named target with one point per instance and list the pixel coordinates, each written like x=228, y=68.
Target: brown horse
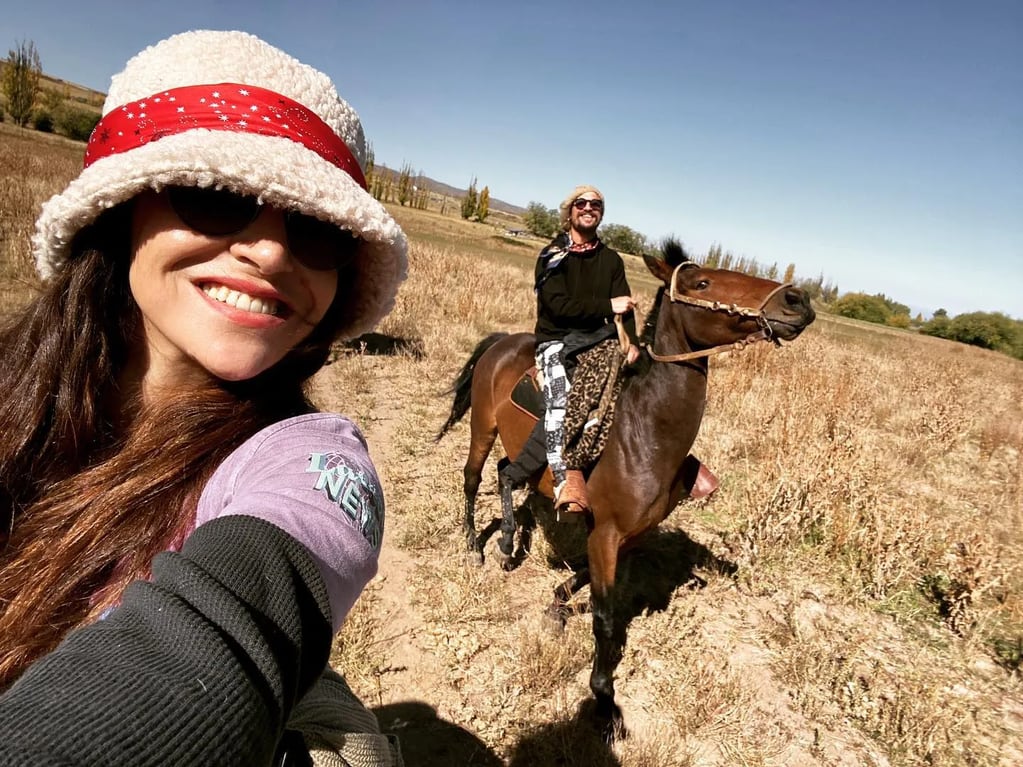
x=643, y=472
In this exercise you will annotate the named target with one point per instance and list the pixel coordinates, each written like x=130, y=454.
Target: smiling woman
x=218, y=240
x=227, y=295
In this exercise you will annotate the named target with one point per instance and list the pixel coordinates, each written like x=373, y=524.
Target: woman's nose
x=264, y=242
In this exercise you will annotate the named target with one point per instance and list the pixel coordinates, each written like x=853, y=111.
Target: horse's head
x=715, y=307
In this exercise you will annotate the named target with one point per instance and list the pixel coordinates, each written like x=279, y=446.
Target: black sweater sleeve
x=200, y=666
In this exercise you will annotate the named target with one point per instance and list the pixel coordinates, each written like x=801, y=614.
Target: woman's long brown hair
x=85, y=504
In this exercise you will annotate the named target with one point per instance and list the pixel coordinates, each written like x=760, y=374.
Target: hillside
x=78, y=94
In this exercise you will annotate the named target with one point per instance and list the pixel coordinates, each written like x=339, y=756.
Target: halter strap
x=764, y=334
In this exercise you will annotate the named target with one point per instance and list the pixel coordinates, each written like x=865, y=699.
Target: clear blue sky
x=877, y=143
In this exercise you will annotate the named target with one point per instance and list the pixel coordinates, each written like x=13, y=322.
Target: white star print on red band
x=221, y=106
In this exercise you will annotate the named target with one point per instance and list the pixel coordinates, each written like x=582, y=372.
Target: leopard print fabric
x=591, y=404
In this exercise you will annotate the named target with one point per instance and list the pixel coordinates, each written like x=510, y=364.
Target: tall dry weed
x=33, y=170
x=872, y=462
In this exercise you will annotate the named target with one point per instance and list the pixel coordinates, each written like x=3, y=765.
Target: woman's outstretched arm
x=200, y=666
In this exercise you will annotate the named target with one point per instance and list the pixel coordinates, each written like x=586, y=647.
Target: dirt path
x=413, y=683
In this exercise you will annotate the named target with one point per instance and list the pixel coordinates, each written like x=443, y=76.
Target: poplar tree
x=713, y=260
x=469, y=201
x=21, y=81
x=370, y=167
x=421, y=198
x=405, y=184
x=483, y=206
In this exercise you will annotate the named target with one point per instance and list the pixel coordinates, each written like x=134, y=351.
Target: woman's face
x=230, y=306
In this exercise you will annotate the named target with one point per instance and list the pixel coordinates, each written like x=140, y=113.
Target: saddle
x=527, y=395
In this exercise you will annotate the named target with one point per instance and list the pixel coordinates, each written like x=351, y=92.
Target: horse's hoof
x=609, y=722
x=474, y=557
x=509, y=563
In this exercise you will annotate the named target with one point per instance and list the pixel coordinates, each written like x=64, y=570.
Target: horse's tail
x=462, y=387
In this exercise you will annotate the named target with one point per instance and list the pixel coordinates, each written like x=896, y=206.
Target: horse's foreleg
x=608, y=633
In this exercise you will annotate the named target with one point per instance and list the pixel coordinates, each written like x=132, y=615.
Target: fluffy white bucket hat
x=228, y=110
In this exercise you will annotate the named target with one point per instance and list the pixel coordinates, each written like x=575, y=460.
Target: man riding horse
x=580, y=288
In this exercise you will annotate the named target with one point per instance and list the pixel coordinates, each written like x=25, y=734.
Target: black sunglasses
x=319, y=245
x=580, y=204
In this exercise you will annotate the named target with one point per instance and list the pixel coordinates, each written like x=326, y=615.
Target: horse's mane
x=650, y=324
x=673, y=253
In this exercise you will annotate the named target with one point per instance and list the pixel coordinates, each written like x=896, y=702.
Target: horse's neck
x=666, y=403
x=670, y=335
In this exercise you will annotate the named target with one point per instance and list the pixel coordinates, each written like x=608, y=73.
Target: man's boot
x=697, y=479
x=531, y=459
x=572, y=495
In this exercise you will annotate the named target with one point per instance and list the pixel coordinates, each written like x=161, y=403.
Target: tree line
x=27, y=102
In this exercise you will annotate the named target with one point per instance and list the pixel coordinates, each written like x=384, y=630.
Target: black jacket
x=575, y=296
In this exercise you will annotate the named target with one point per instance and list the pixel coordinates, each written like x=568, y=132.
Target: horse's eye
x=703, y=284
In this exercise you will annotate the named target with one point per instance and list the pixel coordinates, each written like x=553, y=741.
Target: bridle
x=764, y=334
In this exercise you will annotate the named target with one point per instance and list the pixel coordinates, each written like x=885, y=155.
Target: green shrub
x=898, y=321
x=42, y=120
x=75, y=123
x=988, y=330
x=859, y=306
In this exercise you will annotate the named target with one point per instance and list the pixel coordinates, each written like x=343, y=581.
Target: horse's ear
x=658, y=267
x=674, y=253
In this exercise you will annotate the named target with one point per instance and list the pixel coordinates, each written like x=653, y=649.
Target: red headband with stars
x=223, y=106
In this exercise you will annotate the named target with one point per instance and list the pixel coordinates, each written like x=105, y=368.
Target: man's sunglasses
x=316, y=244
x=581, y=204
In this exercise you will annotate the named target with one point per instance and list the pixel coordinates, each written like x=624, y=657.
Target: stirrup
x=572, y=495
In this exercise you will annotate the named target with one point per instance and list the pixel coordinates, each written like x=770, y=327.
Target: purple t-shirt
x=312, y=477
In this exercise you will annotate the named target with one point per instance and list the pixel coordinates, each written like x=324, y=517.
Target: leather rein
x=764, y=334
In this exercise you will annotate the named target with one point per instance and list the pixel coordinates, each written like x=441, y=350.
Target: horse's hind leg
x=481, y=442
x=470, y=487
x=506, y=542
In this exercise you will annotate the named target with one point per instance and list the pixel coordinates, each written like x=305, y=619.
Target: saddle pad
x=526, y=395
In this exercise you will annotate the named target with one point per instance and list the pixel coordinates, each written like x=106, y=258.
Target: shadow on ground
x=649, y=574
x=429, y=741
x=575, y=743
x=379, y=344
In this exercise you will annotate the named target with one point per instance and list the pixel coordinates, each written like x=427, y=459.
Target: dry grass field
x=852, y=595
